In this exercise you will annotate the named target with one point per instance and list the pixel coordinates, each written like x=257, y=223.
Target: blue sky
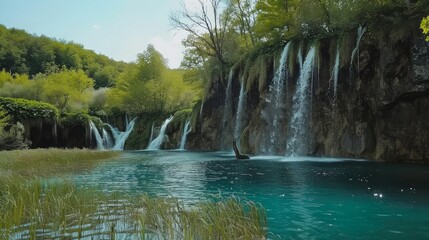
x=119, y=29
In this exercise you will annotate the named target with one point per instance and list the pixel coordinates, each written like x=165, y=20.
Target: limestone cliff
x=378, y=108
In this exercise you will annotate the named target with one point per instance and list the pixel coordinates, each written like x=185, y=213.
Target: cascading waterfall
x=156, y=143
x=298, y=142
x=334, y=77
x=360, y=31
x=186, y=131
x=96, y=133
x=107, y=140
x=228, y=99
x=275, y=101
x=240, y=112
x=121, y=137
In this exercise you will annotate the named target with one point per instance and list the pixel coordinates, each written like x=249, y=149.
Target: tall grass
x=33, y=208
x=48, y=162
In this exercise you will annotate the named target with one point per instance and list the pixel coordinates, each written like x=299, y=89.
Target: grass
x=48, y=162
x=33, y=208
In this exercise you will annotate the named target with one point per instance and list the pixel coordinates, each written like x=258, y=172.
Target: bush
x=23, y=109
x=73, y=119
x=13, y=138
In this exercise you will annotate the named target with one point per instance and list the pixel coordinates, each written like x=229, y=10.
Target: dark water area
x=305, y=198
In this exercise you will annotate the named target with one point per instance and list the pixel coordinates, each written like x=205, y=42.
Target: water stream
x=156, y=143
x=299, y=133
x=240, y=112
x=186, y=131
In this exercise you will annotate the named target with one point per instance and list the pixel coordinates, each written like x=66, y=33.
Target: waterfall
x=156, y=143
x=228, y=100
x=360, y=32
x=96, y=133
x=107, y=140
x=274, y=112
x=121, y=137
x=299, y=124
x=186, y=131
x=240, y=112
x=151, y=132
x=335, y=70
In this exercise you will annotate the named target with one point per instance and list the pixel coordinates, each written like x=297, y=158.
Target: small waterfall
x=107, y=140
x=186, y=131
x=274, y=112
x=156, y=143
x=151, y=132
x=299, y=124
x=360, y=32
x=121, y=137
x=228, y=100
x=96, y=133
x=334, y=77
x=240, y=112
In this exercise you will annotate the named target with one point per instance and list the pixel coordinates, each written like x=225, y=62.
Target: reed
x=48, y=162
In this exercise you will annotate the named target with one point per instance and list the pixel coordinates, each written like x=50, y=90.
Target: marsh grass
x=48, y=162
x=33, y=208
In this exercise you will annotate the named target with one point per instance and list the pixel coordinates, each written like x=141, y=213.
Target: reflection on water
x=305, y=198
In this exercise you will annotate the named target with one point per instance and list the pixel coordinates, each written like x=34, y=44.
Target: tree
x=275, y=18
x=243, y=20
x=208, y=25
x=68, y=90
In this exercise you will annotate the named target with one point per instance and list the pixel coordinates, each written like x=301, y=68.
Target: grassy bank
x=31, y=208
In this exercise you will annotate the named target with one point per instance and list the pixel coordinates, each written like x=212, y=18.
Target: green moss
x=23, y=109
x=180, y=117
x=73, y=119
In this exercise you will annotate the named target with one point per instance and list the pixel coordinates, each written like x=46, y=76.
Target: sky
x=119, y=29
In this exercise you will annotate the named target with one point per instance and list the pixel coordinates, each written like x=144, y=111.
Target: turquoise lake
x=305, y=198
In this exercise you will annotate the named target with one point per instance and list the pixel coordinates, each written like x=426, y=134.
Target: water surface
x=305, y=198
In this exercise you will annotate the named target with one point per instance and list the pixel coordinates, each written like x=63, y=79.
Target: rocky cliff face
x=378, y=109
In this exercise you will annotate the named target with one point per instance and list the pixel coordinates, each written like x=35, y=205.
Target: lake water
x=305, y=198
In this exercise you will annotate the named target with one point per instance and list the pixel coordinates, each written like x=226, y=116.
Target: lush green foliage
x=247, y=25
x=23, y=109
x=22, y=53
x=425, y=27
x=148, y=86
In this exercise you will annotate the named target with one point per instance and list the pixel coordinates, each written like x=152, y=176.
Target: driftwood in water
x=238, y=155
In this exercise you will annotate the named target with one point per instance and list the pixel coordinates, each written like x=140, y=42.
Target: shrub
x=23, y=109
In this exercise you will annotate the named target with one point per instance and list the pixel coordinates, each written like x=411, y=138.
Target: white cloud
x=171, y=47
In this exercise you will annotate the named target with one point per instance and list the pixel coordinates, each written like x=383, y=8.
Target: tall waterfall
x=335, y=70
x=186, y=130
x=274, y=112
x=298, y=142
x=96, y=133
x=240, y=112
x=156, y=143
x=227, y=112
x=121, y=137
x=360, y=31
